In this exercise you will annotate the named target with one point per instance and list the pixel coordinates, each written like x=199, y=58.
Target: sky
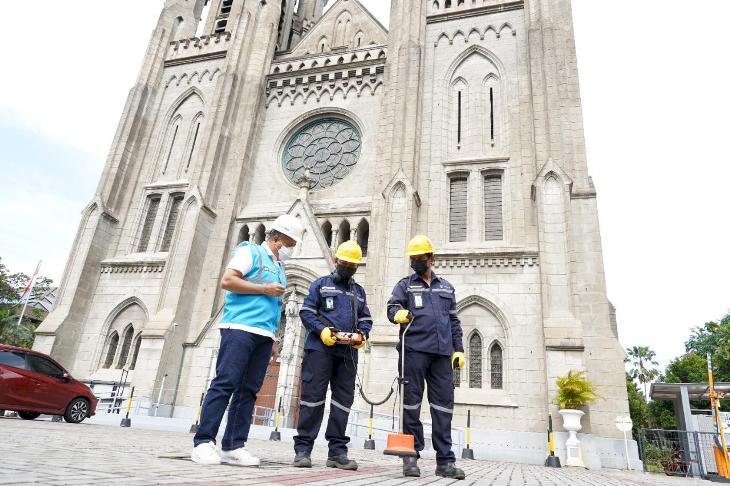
x=653, y=79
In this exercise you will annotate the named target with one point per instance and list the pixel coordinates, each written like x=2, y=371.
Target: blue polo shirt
x=341, y=305
x=436, y=327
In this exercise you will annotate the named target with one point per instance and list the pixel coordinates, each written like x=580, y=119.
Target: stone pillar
x=290, y=359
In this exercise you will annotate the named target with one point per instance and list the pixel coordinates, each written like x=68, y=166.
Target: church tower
x=463, y=122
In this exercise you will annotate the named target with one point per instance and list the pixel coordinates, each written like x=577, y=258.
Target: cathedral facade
x=462, y=121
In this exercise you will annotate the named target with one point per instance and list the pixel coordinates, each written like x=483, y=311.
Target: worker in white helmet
x=255, y=282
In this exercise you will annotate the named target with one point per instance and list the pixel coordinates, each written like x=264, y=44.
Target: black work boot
x=449, y=470
x=302, y=459
x=342, y=462
x=410, y=467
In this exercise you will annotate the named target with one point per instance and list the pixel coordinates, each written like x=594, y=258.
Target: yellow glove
x=327, y=338
x=458, y=360
x=403, y=316
x=362, y=344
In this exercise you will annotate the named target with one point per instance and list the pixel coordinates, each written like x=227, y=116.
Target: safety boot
x=342, y=462
x=410, y=467
x=302, y=459
x=449, y=470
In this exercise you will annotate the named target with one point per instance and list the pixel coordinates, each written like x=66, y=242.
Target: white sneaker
x=240, y=457
x=206, y=453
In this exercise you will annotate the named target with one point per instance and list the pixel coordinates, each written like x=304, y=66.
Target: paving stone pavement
x=42, y=452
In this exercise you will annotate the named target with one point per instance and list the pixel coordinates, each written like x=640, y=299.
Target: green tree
x=642, y=365
x=713, y=338
x=688, y=368
x=638, y=408
x=11, y=289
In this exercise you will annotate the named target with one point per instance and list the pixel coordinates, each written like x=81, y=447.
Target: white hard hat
x=290, y=226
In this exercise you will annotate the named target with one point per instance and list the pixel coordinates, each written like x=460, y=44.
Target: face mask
x=344, y=273
x=285, y=253
x=419, y=266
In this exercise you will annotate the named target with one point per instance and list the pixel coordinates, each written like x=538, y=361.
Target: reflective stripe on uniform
x=365, y=319
x=311, y=404
x=442, y=409
x=412, y=407
x=310, y=309
x=340, y=406
x=453, y=312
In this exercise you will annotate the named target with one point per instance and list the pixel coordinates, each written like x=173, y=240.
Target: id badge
x=418, y=301
x=329, y=303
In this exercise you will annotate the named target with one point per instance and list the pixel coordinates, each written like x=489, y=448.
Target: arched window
x=260, y=235
x=220, y=26
x=327, y=232
x=344, y=232
x=323, y=44
x=135, y=353
x=475, y=361
x=111, y=350
x=244, y=234
x=126, y=344
x=458, y=184
x=153, y=204
x=363, y=235
x=196, y=132
x=495, y=363
x=176, y=202
x=493, y=226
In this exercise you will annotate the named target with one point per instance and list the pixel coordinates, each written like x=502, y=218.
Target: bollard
x=126, y=421
x=468, y=453
x=552, y=460
x=275, y=434
x=194, y=427
x=370, y=442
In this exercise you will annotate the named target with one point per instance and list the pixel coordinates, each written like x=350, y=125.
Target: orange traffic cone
x=401, y=444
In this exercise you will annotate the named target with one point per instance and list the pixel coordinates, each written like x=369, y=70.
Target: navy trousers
x=435, y=370
x=320, y=369
x=239, y=373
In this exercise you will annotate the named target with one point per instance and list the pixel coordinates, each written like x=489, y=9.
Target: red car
x=32, y=383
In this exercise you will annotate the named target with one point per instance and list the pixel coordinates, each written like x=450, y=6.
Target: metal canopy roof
x=696, y=391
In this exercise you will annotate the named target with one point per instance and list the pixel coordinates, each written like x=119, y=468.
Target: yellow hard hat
x=349, y=251
x=419, y=245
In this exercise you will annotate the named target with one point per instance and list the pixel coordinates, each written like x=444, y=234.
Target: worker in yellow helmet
x=335, y=303
x=433, y=348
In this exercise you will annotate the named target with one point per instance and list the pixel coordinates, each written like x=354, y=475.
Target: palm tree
x=642, y=364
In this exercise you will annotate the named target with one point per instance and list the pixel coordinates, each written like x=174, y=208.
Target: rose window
x=322, y=153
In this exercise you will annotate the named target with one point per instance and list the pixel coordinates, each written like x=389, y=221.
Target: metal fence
x=679, y=452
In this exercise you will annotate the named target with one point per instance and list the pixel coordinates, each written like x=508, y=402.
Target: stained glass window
x=475, y=361
x=323, y=151
x=495, y=359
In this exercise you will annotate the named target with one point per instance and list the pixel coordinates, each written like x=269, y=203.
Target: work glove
x=403, y=316
x=362, y=344
x=327, y=338
x=458, y=360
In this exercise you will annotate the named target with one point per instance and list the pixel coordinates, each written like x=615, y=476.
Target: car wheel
x=29, y=415
x=76, y=411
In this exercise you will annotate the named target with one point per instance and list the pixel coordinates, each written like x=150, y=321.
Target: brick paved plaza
x=43, y=452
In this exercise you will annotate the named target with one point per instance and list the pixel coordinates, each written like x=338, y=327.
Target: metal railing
x=680, y=452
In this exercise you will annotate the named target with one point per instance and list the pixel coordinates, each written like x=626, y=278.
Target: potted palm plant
x=575, y=391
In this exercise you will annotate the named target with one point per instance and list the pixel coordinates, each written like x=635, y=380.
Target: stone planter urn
x=571, y=423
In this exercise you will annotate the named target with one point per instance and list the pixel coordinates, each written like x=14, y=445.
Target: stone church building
x=462, y=122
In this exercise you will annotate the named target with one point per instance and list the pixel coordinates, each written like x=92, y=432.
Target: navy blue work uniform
x=433, y=337
x=341, y=305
